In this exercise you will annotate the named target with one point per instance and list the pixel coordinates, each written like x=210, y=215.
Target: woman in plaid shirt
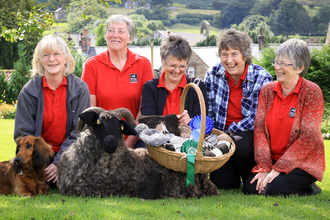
x=232, y=88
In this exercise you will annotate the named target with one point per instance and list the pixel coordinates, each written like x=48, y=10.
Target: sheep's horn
x=125, y=113
x=81, y=123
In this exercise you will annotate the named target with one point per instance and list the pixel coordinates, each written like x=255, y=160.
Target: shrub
x=7, y=111
x=18, y=78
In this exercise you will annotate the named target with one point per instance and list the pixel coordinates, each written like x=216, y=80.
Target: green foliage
x=219, y=5
x=8, y=55
x=155, y=25
x=217, y=22
x=209, y=41
x=3, y=85
x=234, y=13
x=323, y=14
x=19, y=77
x=252, y=21
x=20, y=18
x=100, y=41
x=319, y=71
x=263, y=8
x=290, y=18
x=161, y=2
x=267, y=56
x=7, y=111
x=146, y=42
x=157, y=13
x=193, y=5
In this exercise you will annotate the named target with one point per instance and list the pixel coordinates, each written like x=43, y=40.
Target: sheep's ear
x=126, y=128
x=89, y=117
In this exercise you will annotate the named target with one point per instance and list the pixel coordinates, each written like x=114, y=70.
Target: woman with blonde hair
x=50, y=103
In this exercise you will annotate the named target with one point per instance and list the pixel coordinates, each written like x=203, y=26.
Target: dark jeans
x=239, y=165
x=296, y=182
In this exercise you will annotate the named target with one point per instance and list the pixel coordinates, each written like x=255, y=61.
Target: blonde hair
x=45, y=44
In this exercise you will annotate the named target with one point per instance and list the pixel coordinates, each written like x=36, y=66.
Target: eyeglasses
x=281, y=65
x=56, y=55
x=173, y=67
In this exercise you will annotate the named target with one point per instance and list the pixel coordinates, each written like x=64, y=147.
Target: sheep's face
x=108, y=128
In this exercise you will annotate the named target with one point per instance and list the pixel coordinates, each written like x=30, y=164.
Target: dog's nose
x=17, y=160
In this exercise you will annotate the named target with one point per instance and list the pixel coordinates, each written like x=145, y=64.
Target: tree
x=19, y=77
x=20, y=18
x=144, y=11
x=252, y=21
x=323, y=14
x=217, y=22
x=263, y=8
x=160, y=13
x=100, y=41
x=217, y=5
x=161, y=2
x=193, y=5
x=290, y=18
x=234, y=13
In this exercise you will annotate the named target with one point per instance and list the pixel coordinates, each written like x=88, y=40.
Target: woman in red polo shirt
x=50, y=103
x=162, y=95
x=115, y=77
x=289, y=149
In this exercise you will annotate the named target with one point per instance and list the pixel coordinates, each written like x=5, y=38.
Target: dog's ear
x=126, y=128
x=89, y=117
x=18, y=146
x=41, y=155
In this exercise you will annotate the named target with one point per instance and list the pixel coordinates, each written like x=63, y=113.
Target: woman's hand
x=51, y=173
x=184, y=118
x=269, y=178
x=260, y=177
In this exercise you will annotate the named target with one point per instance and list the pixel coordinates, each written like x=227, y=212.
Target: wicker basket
x=203, y=164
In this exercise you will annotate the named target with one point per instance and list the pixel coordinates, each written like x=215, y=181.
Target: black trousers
x=296, y=182
x=239, y=165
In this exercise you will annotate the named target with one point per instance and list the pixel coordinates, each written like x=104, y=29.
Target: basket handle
x=199, y=152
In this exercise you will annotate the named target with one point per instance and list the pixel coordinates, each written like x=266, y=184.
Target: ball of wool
x=140, y=127
x=185, y=131
x=224, y=137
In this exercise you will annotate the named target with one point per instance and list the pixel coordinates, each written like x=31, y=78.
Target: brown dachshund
x=26, y=176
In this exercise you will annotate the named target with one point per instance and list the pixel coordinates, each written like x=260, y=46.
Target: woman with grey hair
x=232, y=88
x=289, y=148
x=115, y=77
x=162, y=95
x=50, y=103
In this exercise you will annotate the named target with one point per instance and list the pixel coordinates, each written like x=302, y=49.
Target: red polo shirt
x=234, y=110
x=55, y=114
x=280, y=119
x=173, y=100
x=116, y=88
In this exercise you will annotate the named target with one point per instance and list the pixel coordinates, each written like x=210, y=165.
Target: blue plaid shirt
x=217, y=91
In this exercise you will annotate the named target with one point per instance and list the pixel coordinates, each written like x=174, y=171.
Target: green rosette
x=188, y=144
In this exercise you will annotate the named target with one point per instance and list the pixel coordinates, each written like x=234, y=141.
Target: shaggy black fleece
x=85, y=169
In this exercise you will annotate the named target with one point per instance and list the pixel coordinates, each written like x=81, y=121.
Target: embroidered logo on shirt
x=292, y=112
x=133, y=78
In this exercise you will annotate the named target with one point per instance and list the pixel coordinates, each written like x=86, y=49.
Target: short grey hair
x=237, y=40
x=297, y=51
x=47, y=42
x=175, y=46
x=118, y=19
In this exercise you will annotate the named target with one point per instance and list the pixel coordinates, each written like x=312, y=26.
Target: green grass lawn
x=186, y=28
x=231, y=204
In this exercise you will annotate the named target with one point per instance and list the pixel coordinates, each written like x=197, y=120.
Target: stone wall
x=198, y=64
